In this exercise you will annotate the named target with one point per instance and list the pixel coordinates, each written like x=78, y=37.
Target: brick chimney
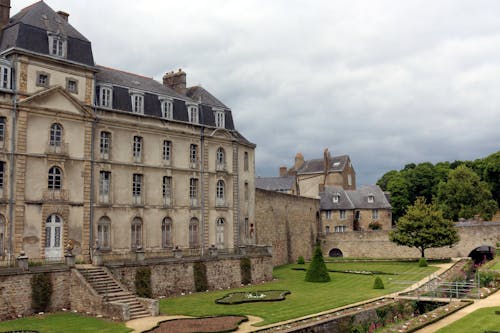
x=63, y=15
x=4, y=13
x=283, y=172
x=299, y=161
x=176, y=81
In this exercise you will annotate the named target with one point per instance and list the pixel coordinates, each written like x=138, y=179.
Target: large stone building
x=94, y=157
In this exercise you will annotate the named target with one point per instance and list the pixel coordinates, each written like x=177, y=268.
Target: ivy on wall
x=41, y=291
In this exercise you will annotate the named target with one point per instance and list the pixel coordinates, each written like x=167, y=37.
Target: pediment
x=56, y=99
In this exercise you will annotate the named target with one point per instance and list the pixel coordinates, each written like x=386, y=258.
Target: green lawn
x=496, y=267
x=306, y=297
x=63, y=323
x=478, y=321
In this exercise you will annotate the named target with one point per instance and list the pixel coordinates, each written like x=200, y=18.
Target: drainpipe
x=202, y=139
x=11, y=160
x=92, y=161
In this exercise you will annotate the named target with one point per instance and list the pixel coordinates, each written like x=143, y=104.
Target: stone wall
x=176, y=276
x=15, y=292
x=286, y=222
x=376, y=244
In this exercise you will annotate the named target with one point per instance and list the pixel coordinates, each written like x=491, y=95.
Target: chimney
x=176, y=81
x=283, y=171
x=63, y=15
x=299, y=161
x=4, y=13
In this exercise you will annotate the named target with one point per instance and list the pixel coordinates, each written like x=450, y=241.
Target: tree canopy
x=423, y=227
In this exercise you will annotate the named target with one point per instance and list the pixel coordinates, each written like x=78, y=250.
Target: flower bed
x=349, y=271
x=253, y=296
x=201, y=325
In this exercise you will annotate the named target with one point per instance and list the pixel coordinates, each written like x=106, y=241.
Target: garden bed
x=199, y=325
x=253, y=296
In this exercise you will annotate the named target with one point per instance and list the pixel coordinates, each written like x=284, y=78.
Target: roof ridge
x=126, y=72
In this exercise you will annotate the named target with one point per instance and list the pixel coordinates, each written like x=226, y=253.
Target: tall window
x=137, y=148
x=167, y=108
x=246, y=189
x=342, y=214
x=2, y=130
x=105, y=97
x=57, y=45
x=137, y=103
x=105, y=145
x=2, y=235
x=328, y=214
x=104, y=233
x=104, y=186
x=375, y=214
x=137, y=188
x=53, y=228
x=245, y=161
x=5, y=77
x=219, y=233
x=193, y=155
x=55, y=178
x=193, y=114
x=167, y=190
x=193, y=191
x=55, y=135
x=136, y=233
x=166, y=232
x=194, y=237
x=2, y=176
x=220, y=120
x=246, y=227
x=167, y=150
x=220, y=199
x=220, y=159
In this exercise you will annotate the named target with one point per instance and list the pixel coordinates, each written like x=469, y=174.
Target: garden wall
x=15, y=291
x=176, y=277
x=376, y=244
x=286, y=222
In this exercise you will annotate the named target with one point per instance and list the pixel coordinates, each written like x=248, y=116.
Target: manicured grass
x=63, y=323
x=496, y=267
x=478, y=321
x=306, y=297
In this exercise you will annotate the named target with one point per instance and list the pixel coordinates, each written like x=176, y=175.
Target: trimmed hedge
x=143, y=282
x=41, y=290
x=378, y=284
x=317, y=271
x=246, y=270
x=422, y=262
x=301, y=260
x=200, y=276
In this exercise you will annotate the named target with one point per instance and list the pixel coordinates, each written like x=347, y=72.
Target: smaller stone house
x=366, y=208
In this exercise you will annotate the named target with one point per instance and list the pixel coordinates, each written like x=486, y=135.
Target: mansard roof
x=275, y=183
x=354, y=199
x=28, y=30
x=336, y=164
x=199, y=93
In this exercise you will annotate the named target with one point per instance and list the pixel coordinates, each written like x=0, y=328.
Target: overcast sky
x=386, y=82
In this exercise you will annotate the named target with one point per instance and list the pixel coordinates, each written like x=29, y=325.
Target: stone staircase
x=106, y=285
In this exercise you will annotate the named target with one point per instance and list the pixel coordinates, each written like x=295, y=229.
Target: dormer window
x=167, y=108
x=137, y=103
x=371, y=198
x=336, y=198
x=220, y=119
x=57, y=45
x=105, y=96
x=4, y=75
x=193, y=114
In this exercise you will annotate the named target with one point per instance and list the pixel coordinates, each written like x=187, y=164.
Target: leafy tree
x=491, y=174
x=384, y=180
x=424, y=227
x=465, y=195
x=317, y=271
x=400, y=195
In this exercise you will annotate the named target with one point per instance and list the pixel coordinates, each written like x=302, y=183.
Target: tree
x=317, y=271
x=400, y=196
x=465, y=195
x=424, y=227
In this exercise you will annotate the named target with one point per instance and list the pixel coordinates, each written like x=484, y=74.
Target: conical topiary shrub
x=317, y=269
x=378, y=284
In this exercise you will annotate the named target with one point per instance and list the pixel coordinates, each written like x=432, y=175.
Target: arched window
x=136, y=235
x=55, y=178
x=219, y=233
x=2, y=235
x=220, y=195
x=55, y=135
x=104, y=233
x=220, y=163
x=166, y=232
x=194, y=236
x=53, y=233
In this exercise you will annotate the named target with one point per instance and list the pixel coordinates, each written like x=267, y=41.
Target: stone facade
x=376, y=244
x=286, y=222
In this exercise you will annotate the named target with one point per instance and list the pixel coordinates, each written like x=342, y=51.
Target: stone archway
x=335, y=253
x=482, y=253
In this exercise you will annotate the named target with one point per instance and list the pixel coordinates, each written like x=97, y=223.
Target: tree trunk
x=422, y=252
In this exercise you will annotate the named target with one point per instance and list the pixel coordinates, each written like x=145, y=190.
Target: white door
x=53, y=244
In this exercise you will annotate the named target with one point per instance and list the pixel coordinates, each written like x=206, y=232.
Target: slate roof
x=353, y=199
x=28, y=30
x=200, y=94
x=274, y=183
x=337, y=164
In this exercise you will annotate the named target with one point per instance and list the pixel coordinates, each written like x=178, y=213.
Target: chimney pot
x=63, y=15
x=4, y=13
x=176, y=81
x=282, y=171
